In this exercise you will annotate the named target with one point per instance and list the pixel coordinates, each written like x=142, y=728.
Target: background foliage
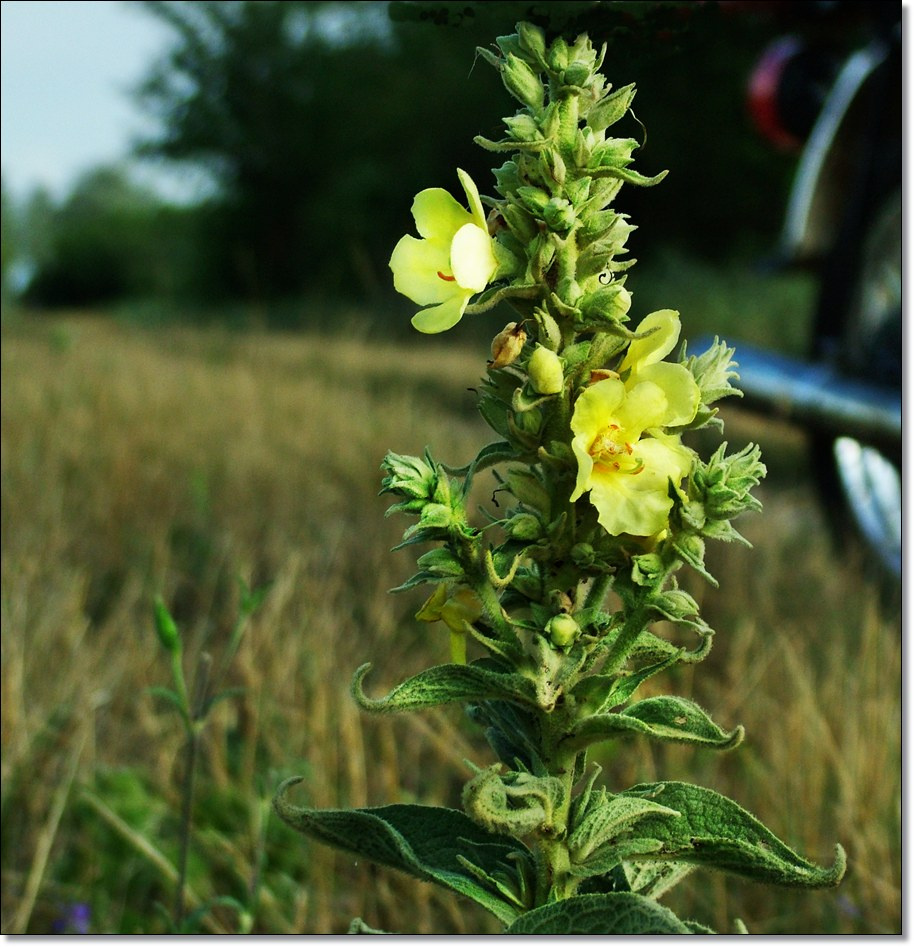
x=317, y=123
x=173, y=462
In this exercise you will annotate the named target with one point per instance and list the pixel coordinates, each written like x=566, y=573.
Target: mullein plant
x=561, y=606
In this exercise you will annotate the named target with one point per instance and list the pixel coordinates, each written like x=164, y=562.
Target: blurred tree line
x=318, y=122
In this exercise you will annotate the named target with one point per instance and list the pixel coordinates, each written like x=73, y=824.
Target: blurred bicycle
x=842, y=107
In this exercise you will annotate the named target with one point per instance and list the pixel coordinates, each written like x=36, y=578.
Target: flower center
x=447, y=279
x=610, y=449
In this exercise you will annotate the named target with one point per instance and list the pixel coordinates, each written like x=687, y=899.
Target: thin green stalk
x=597, y=592
x=196, y=717
x=635, y=622
x=560, y=883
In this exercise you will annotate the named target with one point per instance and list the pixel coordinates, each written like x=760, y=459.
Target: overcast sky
x=66, y=67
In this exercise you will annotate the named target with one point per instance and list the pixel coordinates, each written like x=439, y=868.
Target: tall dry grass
x=176, y=462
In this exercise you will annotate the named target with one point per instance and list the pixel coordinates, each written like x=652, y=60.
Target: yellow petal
x=472, y=258
x=665, y=455
x=443, y=317
x=639, y=504
x=625, y=504
x=580, y=446
x=432, y=606
x=596, y=407
x=644, y=406
x=472, y=193
x=682, y=393
x=437, y=214
x=416, y=265
x=647, y=351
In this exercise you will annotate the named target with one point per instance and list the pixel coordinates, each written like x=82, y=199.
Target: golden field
x=178, y=461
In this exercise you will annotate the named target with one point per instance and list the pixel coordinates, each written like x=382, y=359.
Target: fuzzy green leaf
x=492, y=454
x=420, y=578
x=441, y=563
x=423, y=841
x=444, y=684
x=611, y=108
x=616, y=854
x=654, y=878
x=616, y=913
x=679, y=720
x=606, y=818
x=600, y=691
x=627, y=175
x=671, y=719
x=714, y=831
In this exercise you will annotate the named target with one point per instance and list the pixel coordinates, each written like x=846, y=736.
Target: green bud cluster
x=719, y=490
x=426, y=490
x=556, y=189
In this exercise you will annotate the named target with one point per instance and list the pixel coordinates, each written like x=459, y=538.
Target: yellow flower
x=458, y=607
x=453, y=261
x=625, y=459
x=642, y=362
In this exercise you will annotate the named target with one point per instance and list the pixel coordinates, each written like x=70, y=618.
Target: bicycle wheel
x=868, y=474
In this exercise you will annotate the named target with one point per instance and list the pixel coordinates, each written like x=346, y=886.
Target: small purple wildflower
x=73, y=919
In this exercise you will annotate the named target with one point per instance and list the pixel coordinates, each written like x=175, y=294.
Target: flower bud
x=583, y=555
x=522, y=82
x=532, y=40
x=166, y=628
x=526, y=425
x=558, y=55
x=409, y=477
x=523, y=127
x=647, y=569
x=535, y=198
x=569, y=290
x=611, y=108
x=547, y=376
x=563, y=630
x=559, y=214
x=725, y=482
x=525, y=527
x=576, y=74
x=607, y=305
x=507, y=345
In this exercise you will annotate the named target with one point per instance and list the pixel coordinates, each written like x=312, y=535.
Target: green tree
x=10, y=248
x=106, y=241
x=311, y=118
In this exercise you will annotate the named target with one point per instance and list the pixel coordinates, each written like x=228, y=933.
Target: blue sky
x=66, y=67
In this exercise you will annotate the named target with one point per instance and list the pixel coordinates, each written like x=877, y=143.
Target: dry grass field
x=175, y=462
